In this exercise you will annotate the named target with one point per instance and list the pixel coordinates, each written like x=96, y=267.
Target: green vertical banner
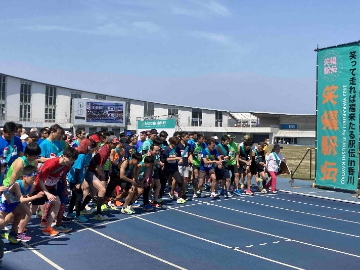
x=337, y=162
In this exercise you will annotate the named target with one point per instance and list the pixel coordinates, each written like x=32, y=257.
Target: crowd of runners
x=58, y=176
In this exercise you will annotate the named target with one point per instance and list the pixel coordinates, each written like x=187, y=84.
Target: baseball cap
x=95, y=138
x=112, y=139
x=214, y=137
x=24, y=137
x=231, y=136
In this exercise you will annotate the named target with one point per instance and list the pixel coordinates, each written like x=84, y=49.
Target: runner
x=195, y=159
x=244, y=161
x=273, y=164
x=222, y=172
x=209, y=159
x=95, y=175
x=53, y=171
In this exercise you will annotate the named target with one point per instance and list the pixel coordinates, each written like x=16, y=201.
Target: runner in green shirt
x=232, y=163
x=195, y=160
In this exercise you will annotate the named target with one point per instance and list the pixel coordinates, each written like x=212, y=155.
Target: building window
x=196, y=118
x=99, y=96
x=50, y=103
x=25, y=101
x=173, y=111
x=218, y=119
x=73, y=95
x=148, y=109
x=2, y=96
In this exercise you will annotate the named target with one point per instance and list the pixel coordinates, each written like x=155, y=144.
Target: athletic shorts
x=222, y=173
x=90, y=176
x=43, y=199
x=125, y=185
x=185, y=171
x=233, y=169
x=8, y=207
x=156, y=174
x=204, y=174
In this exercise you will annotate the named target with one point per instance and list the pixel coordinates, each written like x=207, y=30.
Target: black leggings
x=114, y=181
x=163, y=181
x=76, y=199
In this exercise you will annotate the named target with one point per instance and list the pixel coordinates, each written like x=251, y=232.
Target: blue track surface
x=270, y=231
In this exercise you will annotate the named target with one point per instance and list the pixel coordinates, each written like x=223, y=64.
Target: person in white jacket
x=273, y=161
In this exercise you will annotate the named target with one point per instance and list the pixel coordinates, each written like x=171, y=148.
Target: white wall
x=208, y=118
x=13, y=98
x=63, y=97
x=185, y=116
x=37, y=102
x=136, y=110
x=160, y=109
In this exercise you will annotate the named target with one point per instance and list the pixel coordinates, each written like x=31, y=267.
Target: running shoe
x=23, y=237
x=62, y=228
x=214, y=195
x=50, y=231
x=119, y=203
x=87, y=212
x=264, y=191
x=180, y=201
x=81, y=219
x=156, y=205
x=12, y=238
x=237, y=192
x=249, y=192
x=148, y=207
x=127, y=211
x=228, y=195
x=112, y=205
x=104, y=208
x=72, y=215
x=100, y=217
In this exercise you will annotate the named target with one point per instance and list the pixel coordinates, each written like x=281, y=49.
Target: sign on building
x=160, y=124
x=337, y=161
x=88, y=112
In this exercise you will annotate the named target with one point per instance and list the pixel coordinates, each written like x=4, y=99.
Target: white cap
x=24, y=137
x=215, y=137
x=33, y=129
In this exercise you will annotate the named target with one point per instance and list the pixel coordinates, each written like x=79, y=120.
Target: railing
x=312, y=174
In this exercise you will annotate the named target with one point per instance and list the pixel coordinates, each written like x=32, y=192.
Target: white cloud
x=108, y=29
x=211, y=7
x=219, y=38
x=217, y=8
x=149, y=27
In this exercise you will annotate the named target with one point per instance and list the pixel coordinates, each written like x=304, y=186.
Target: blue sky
x=214, y=54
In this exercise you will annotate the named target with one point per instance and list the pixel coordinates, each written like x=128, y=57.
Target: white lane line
x=318, y=196
x=268, y=234
x=134, y=248
x=328, y=207
x=302, y=212
x=263, y=244
x=47, y=239
x=219, y=244
x=46, y=259
x=286, y=221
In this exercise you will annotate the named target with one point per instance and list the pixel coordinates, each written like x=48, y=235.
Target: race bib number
x=184, y=155
x=231, y=153
x=51, y=181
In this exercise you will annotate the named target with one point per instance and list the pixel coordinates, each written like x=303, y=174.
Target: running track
x=273, y=231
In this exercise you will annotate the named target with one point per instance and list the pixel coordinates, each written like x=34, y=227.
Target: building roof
x=123, y=98
x=243, y=116
x=269, y=114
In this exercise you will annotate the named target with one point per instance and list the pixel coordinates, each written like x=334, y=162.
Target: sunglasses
x=31, y=174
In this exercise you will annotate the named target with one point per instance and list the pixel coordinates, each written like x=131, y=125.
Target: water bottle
x=6, y=152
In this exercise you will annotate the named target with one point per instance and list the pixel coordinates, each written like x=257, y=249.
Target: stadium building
x=38, y=104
